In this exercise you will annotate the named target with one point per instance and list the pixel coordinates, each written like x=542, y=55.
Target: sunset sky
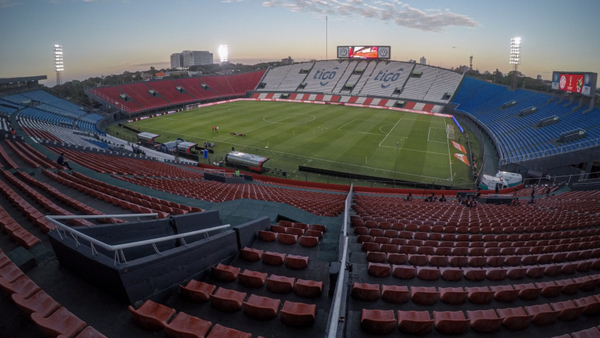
x=102, y=37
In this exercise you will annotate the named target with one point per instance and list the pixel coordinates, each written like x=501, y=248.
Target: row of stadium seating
x=49, y=103
x=393, y=79
x=519, y=137
x=166, y=92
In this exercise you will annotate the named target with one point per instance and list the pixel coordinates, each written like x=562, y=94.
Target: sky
x=103, y=37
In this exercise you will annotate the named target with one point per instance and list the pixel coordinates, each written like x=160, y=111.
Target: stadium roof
x=10, y=80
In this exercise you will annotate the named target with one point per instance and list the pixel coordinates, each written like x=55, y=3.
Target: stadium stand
x=324, y=76
x=519, y=138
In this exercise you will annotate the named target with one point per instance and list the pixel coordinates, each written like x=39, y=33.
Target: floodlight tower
x=515, y=57
x=58, y=63
x=223, y=54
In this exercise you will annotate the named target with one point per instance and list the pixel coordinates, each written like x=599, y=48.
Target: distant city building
x=189, y=58
x=196, y=58
x=423, y=60
x=176, y=60
x=287, y=61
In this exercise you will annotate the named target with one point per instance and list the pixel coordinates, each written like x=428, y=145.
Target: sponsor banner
x=463, y=158
x=459, y=147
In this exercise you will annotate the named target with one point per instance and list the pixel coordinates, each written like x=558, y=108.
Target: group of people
x=215, y=128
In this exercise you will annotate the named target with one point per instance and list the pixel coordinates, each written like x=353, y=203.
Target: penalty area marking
x=429, y=133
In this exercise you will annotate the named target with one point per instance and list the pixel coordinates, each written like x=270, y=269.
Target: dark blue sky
x=111, y=36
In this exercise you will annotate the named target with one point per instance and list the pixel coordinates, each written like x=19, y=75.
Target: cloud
x=402, y=14
x=8, y=3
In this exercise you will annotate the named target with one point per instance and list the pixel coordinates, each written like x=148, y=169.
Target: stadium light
x=59, y=65
x=515, y=51
x=515, y=57
x=223, y=54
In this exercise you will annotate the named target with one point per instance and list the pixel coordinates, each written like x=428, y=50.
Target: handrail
x=335, y=319
x=118, y=249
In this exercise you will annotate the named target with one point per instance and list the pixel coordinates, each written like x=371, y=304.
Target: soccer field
x=376, y=142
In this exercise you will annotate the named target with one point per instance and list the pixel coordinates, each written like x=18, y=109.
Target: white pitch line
x=388, y=134
x=428, y=140
x=449, y=157
x=340, y=128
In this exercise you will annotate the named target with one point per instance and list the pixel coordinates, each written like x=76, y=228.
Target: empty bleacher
x=519, y=137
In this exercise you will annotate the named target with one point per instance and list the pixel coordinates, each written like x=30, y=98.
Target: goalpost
x=189, y=107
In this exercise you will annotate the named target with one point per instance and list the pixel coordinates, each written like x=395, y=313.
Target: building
x=423, y=60
x=176, y=60
x=287, y=61
x=196, y=58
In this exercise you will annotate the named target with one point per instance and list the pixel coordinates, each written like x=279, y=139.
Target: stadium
x=275, y=203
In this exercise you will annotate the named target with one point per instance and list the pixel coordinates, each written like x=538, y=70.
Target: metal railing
x=119, y=255
x=336, y=318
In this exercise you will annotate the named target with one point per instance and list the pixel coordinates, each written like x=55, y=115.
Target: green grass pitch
x=376, y=142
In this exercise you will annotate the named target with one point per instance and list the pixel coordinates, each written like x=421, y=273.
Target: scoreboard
x=363, y=52
x=575, y=82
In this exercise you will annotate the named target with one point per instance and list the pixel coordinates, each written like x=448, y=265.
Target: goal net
x=191, y=107
x=450, y=131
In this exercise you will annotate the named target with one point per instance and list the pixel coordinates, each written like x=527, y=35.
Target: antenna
x=471, y=62
x=326, y=24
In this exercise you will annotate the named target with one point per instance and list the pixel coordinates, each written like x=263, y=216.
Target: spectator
x=409, y=197
x=443, y=198
x=63, y=162
x=12, y=131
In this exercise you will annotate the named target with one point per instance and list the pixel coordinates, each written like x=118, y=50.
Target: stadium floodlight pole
x=58, y=63
x=396, y=165
x=515, y=57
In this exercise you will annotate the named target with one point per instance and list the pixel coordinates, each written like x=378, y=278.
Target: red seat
x=415, y=322
x=427, y=273
x=227, y=300
x=39, y=302
x=586, y=283
x=267, y=236
x=514, y=318
x=474, y=274
x=198, y=292
x=379, y=270
x=535, y=272
x=484, y=321
x=396, y=258
x=252, y=279
x=395, y=294
x=298, y=314
x=365, y=291
x=150, y=315
x=88, y=332
x=418, y=260
x=184, y=325
x=378, y=321
x=479, y=294
x=458, y=261
x=219, y=331
x=295, y=231
x=589, y=305
x=592, y=332
x=451, y=274
x=250, y=254
x=504, y=293
x=273, y=258
x=23, y=285
x=568, y=310
x=404, y=271
x=376, y=257
x=516, y=273
x=528, y=291
x=570, y=287
x=495, y=274
x=308, y=288
x=296, y=262
x=308, y=241
x=225, y=273
x=549, y=289
x=453, y=295
x=10, y=273
x=280, y=284
x=287, y=239
x=542, y=314
x=450, y=322
x=424, y=295
x=261, y=308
